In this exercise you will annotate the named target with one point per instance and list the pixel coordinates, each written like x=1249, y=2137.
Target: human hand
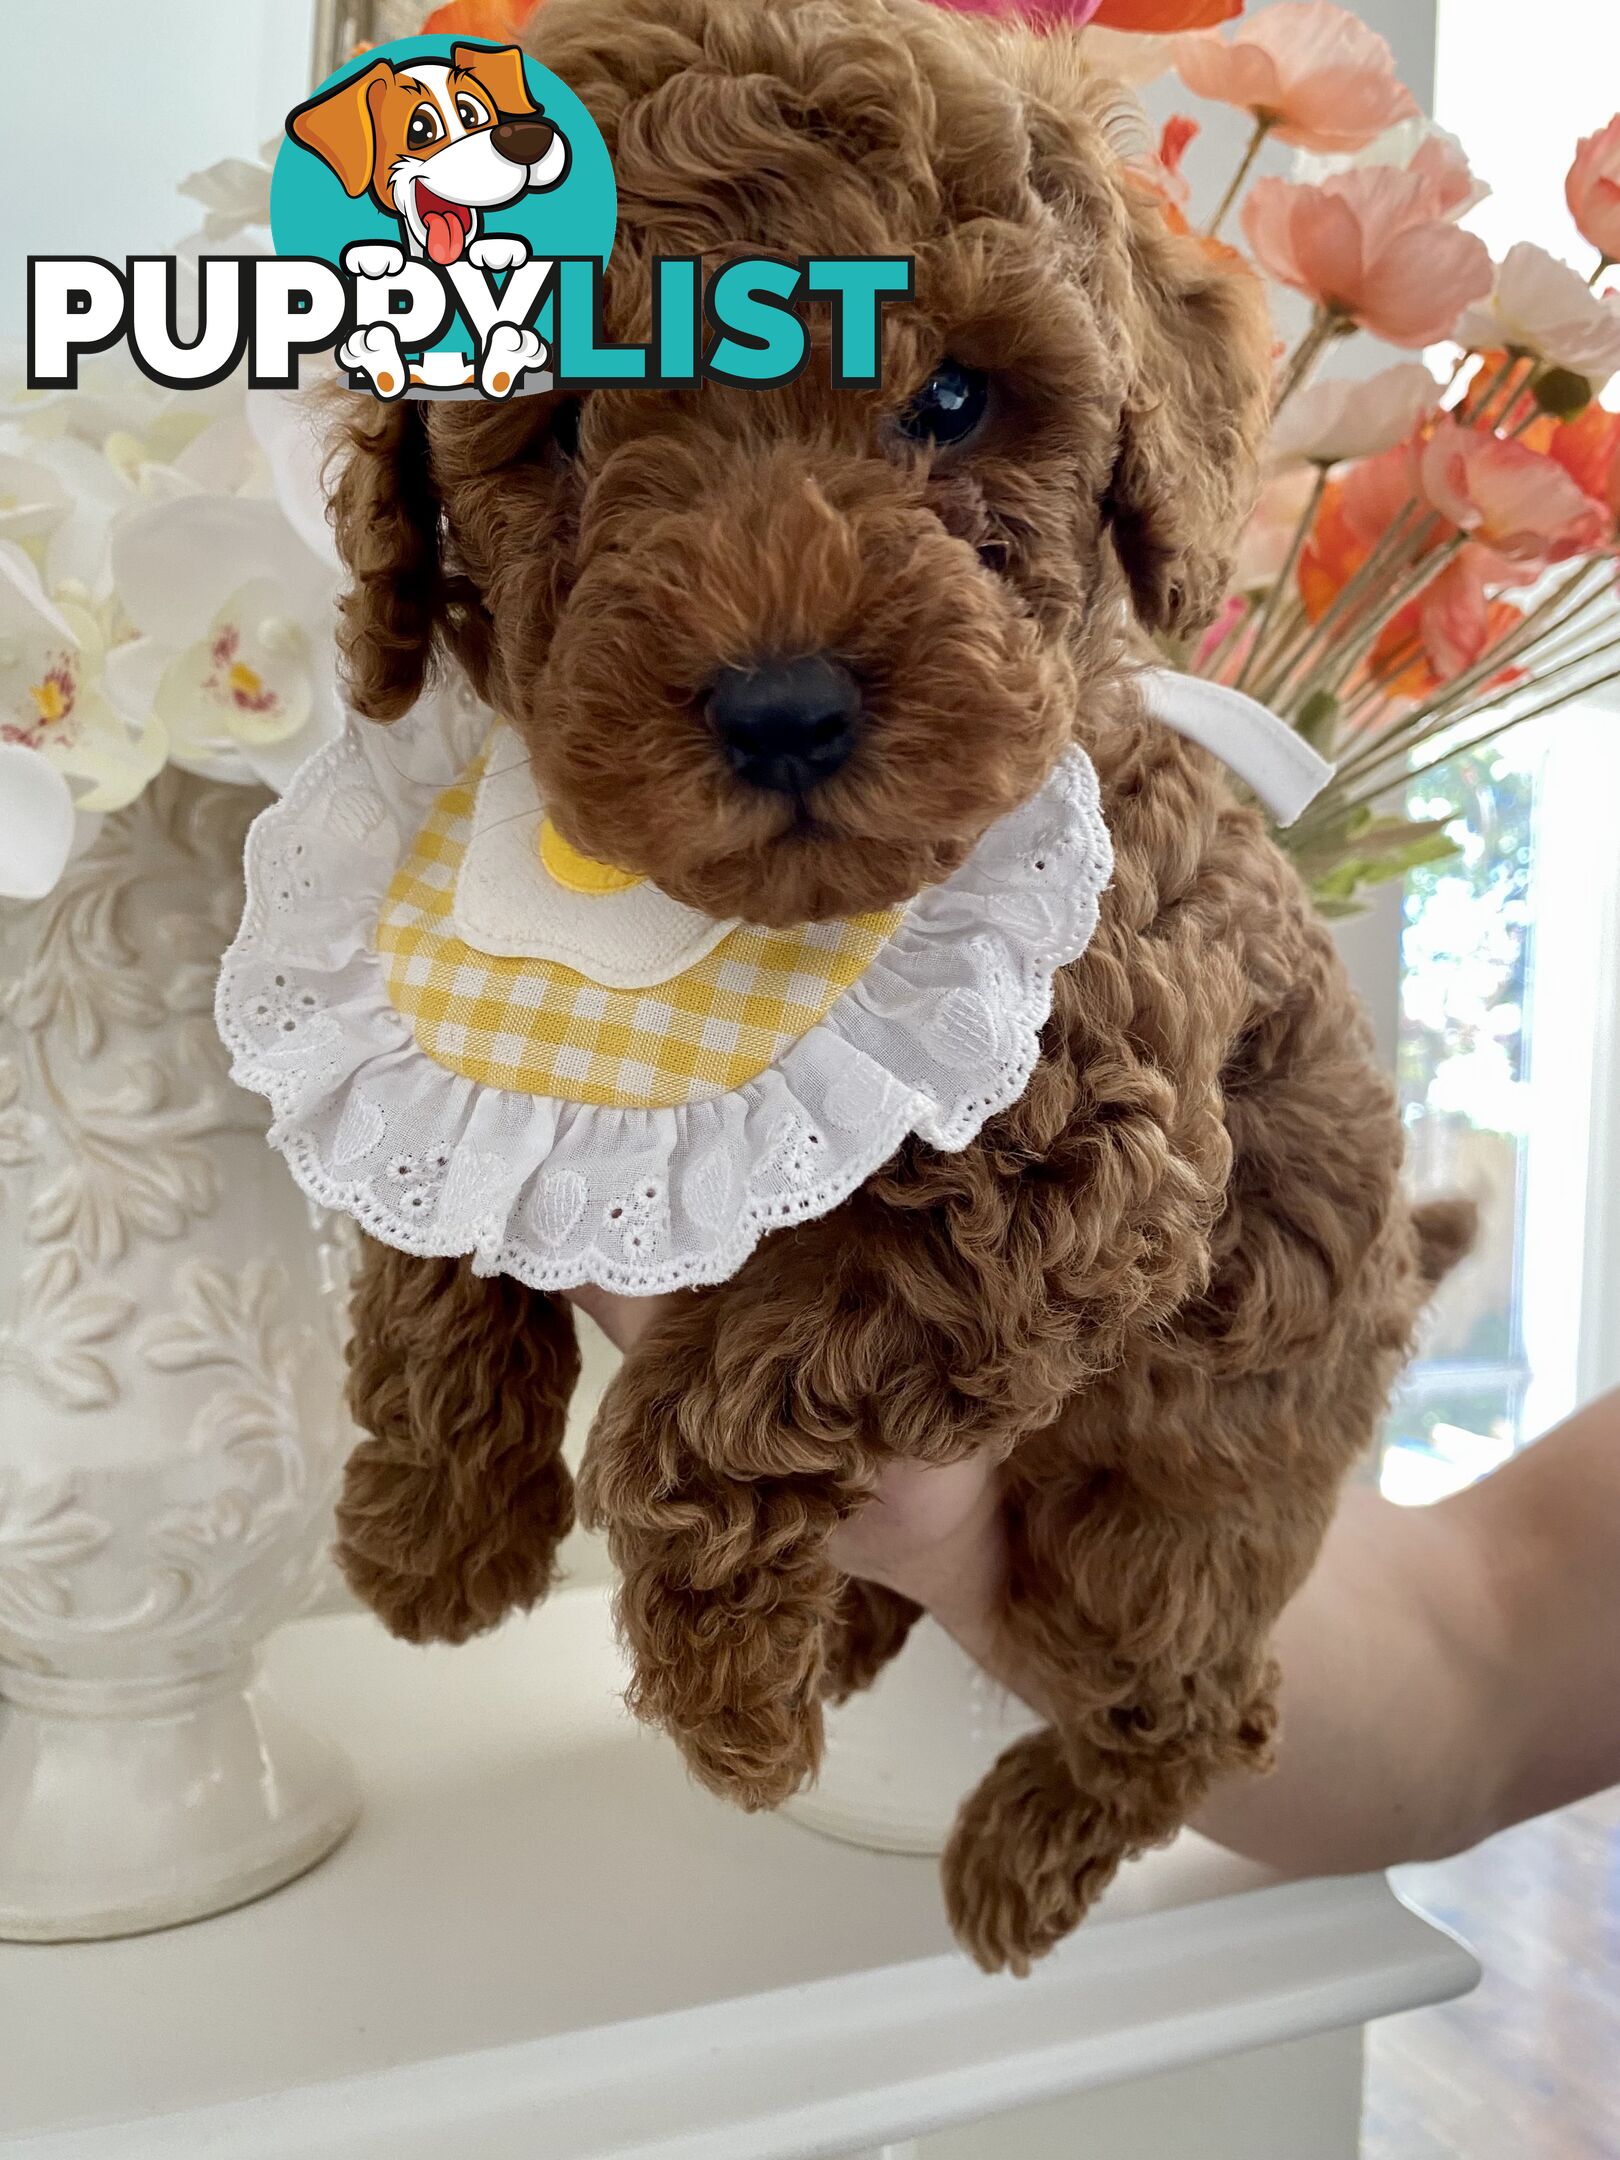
x=932, y=1532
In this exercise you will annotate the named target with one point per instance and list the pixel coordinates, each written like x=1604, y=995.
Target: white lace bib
x=474, y=1042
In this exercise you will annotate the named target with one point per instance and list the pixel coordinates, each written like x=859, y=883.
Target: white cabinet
x=543, y=1943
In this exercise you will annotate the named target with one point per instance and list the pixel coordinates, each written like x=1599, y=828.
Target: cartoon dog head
x=436, y=142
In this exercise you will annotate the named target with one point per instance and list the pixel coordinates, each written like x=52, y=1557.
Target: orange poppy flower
x=1589, y=451
x=1515, y=415
x=1164, y=16
x=479, y=18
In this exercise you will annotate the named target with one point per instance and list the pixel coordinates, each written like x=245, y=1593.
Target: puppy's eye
x=949, y=407
x=425, y=128
x=470, y=113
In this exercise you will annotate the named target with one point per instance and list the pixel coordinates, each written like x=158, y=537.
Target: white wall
x=142, y=92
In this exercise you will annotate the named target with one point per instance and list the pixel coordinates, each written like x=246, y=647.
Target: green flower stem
x=1371, y=787
x=1553, y=618
x=1369, y=629
x=1481, y=416
x=1257, y=142
x=1326, y=325
x=1368, y=799
x=1394, y=556
x=1293, y=649
x=1375, y=691
x=1285, y=577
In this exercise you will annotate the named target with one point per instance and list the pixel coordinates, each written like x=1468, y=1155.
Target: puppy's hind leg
x=1145, y=1629
x=453, y=1509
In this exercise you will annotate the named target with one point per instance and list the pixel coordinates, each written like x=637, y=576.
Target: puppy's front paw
x=499, y=251
x=373, y=259
x=734, y=1684
x=374, y=352
x=508, y=354
x=429, y=1572
x=1027, y=1860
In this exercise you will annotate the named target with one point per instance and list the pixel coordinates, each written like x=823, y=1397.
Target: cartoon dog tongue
x=445, y=225
x=444, y=235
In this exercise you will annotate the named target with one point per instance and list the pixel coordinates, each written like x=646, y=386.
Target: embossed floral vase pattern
x=170, y=1429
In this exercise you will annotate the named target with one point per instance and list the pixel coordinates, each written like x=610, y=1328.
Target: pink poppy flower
x=1442, y=160
x=1448, y=629
x=1158, y=16
x=1588, y=448
x=1374, y=246
x=1313, y=74
x=1593, y=190
x=1519, y=505
x=1416, y=146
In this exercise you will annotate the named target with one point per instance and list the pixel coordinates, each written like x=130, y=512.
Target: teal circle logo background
x=311, y=214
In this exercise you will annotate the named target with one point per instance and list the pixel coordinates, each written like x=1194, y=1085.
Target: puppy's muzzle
x=787, y=725
x=522, y=142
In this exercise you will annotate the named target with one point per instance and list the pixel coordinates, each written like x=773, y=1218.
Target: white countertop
x=542, y=1926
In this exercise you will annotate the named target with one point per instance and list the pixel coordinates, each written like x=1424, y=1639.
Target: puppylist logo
x=442, y=213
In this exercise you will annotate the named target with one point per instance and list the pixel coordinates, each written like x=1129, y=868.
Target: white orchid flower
x=33, y=503
x=57, y=727
x=293, y=430
x=235, y=194
x=36, y=822
x=235, y=653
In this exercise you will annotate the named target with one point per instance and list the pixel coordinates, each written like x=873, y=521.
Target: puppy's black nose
x=786, y=725
x=524, y=142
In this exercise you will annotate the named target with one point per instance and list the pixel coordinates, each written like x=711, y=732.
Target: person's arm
x=1447, y=1671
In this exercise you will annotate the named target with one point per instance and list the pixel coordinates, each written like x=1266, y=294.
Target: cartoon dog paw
x=499, y=251
x=508, y=354
x=373, y=259
x=375, y=353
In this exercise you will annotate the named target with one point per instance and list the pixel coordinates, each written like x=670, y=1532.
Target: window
x=1510, y=1018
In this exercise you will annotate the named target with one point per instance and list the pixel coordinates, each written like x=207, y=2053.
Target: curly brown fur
x=868, y=1628
x=452, y=1512
x=1168, y=1289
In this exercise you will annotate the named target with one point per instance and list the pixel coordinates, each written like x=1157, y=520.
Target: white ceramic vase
x=901, y=1757
x=171, y=1429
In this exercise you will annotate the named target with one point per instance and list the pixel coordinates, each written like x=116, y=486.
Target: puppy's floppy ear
x=341, y=128
x=386, y=516
x=501, y=74
x=1187, y=318
x=1194, y=422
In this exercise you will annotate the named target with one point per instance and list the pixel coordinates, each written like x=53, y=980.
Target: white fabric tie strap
x=1266, y=754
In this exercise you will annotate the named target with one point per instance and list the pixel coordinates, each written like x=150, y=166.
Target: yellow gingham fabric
x=537, y=1028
